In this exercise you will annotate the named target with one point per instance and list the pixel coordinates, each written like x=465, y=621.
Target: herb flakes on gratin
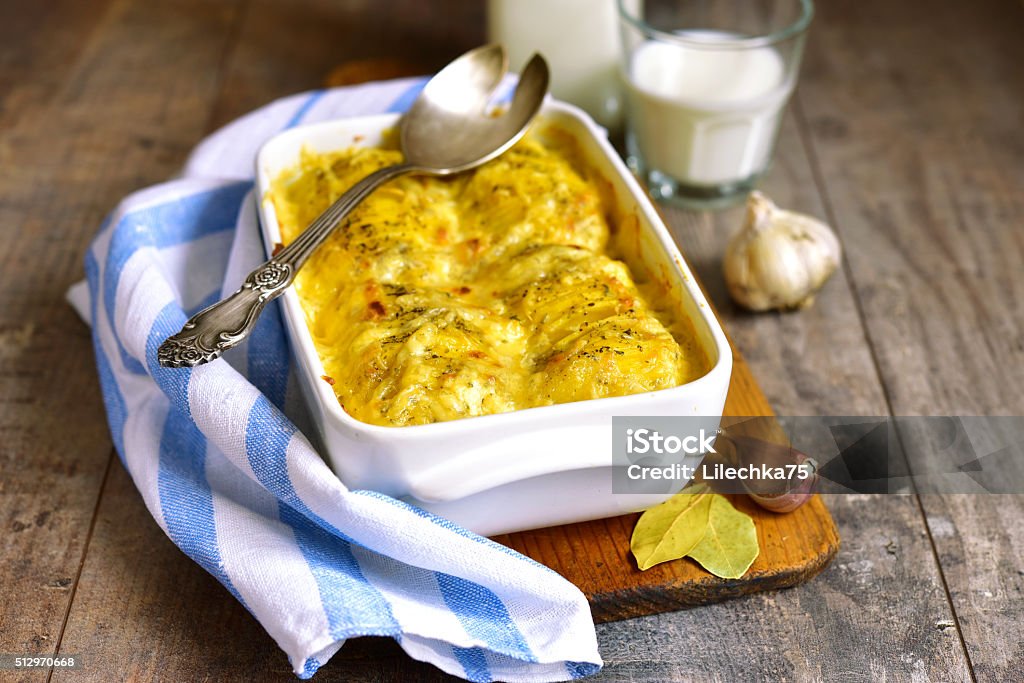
x=483, y=293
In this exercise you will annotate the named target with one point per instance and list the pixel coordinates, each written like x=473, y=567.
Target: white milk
x=580, y=40
x=705, y=116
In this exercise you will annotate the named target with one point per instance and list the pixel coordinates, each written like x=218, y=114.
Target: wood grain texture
x=921, y=153
x=73, y=108
x=874, y=614
x=920, y=147
x=269, y=62
x=146, y=612
x=814, y=362
x=143, y=612
x=595, y=556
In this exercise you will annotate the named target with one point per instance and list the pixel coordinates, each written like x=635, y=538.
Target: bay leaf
x=729, y=545
x=670, y=530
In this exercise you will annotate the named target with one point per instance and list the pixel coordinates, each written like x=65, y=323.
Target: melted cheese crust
x=484, y=293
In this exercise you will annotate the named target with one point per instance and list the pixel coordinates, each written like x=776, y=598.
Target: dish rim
x=302, y=337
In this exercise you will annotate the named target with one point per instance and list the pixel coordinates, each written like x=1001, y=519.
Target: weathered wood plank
x=919, y=143
x=980, y=542
x=812, y=362
x=165, y=618
x=41, y=43
x=54, y=449
x=919, y=146
x=874, y=614
x=288, y=47
x=144, y=612
x=93, y=110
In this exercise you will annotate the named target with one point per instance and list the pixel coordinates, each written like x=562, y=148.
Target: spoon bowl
x=450, y=128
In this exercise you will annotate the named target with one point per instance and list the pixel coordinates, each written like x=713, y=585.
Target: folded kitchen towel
x=226, y=472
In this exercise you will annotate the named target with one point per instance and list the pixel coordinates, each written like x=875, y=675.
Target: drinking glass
x=707, y=82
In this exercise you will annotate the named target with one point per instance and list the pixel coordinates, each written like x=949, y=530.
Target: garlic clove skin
x=779, y=259
x=776, y=495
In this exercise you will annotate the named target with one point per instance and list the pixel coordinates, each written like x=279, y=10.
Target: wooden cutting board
x=595, y=555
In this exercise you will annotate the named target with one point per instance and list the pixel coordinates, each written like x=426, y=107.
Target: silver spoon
x=448, y=129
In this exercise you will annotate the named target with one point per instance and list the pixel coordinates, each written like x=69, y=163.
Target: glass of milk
x=707, y=82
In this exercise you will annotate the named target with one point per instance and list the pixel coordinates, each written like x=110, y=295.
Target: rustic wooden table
x=906, y=134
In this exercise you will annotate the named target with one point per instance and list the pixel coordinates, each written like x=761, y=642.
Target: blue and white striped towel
x=235, y=484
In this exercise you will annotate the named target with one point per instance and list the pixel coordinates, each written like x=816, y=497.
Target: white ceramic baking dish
x=519, y=470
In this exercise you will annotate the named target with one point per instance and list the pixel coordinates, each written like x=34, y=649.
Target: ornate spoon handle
x=219, y=327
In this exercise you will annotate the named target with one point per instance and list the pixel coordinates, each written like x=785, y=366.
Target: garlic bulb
x=780, y=259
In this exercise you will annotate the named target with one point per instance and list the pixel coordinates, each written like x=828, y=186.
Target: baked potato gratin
x=487, y=292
